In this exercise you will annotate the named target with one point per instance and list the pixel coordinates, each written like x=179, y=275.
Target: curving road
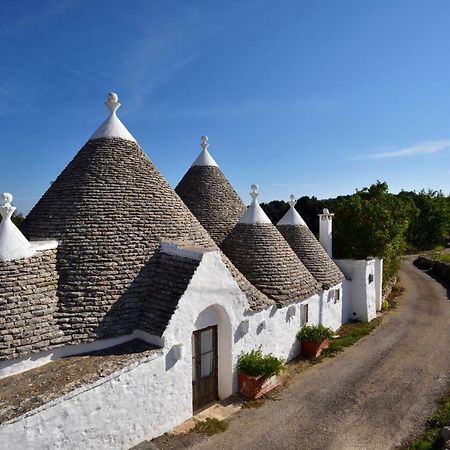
x=375, y=395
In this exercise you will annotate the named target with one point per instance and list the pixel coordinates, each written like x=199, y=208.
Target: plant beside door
x=314, y=339
x=258, y=373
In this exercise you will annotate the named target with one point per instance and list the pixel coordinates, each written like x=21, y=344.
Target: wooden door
x=204, y=367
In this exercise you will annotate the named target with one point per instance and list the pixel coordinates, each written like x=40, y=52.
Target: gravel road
x=375, y=395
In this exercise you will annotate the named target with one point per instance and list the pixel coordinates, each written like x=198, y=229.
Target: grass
x=445, y=257
x=432, y=439
x=253, y=403
x=211, y=426
x=348, y=334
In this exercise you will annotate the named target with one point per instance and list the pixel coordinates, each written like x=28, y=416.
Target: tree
x=430, y=227
x=373, y=222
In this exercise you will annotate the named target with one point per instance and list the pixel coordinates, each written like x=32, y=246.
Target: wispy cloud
x=421, y=148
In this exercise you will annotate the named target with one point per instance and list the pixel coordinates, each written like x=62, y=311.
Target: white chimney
x=325, y=231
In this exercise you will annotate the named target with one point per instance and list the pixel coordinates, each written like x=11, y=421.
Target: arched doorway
x=211, y=357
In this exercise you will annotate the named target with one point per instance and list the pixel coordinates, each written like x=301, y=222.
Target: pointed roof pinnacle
x=13, y=244
x=292, y=217
x=204, y=159
x=112, y=127
x=254, y=213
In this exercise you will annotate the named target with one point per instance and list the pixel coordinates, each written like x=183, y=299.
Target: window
x=337, y=295
x=303, y=314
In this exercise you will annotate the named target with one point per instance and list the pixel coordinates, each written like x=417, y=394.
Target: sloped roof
x=110, y=208
x=210, y=197
x=312, y=254
x=308, y=248
x=170, y=280
x=260, y=252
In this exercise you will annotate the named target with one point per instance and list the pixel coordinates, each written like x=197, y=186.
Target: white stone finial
x=112, y=102
x=204, y=159
x=254, y=213
x=254, y=194
x=292, y=217
x=13, y=244
x=112, y=127
x=326, y=211
x=6, y=199
x=292, y=201
x=204, y=142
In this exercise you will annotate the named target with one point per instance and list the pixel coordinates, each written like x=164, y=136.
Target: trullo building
x=159, y=290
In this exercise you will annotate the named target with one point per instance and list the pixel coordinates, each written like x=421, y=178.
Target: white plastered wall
x=378, y=283
x=360, y=275
x=151, y=397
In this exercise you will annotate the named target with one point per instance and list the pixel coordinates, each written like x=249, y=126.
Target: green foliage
x=275, y=209
x=373, y=222
x=211, y=426
x=254, y=363
x=315, y=333
x=430, y=227
x=444, y=257
x=432, y=439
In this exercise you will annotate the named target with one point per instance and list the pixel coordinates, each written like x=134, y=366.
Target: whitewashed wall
x=151, y=397
x=378, y=283
x=362, y=291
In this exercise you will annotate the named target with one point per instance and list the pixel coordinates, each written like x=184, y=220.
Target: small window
x=337, y=295
x=303, y=314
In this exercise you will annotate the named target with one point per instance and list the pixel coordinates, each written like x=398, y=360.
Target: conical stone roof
x=110, y=208
x=209, y=196
x=260, y=252
x=308, y=248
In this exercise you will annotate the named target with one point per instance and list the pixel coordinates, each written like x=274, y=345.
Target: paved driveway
x=373, y=396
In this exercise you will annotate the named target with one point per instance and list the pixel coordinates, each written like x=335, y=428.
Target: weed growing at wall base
x=211, y=426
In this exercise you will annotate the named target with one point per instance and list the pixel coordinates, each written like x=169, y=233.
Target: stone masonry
x=28, y=303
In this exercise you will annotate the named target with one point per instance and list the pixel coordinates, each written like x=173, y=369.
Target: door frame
x=213, y=395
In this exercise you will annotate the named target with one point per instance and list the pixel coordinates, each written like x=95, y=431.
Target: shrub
x=315, y=333
x=254, y=363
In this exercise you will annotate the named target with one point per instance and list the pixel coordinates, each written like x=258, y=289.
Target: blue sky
x=313, y=97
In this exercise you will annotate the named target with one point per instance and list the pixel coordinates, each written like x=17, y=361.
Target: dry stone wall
x=28, y=304
x=439, y=268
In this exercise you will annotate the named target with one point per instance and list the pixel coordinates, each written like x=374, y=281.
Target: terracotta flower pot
x=312, y=349
x=255, y=387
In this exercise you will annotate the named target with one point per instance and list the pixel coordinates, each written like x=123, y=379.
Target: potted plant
x=258, y=373
x=314, y=339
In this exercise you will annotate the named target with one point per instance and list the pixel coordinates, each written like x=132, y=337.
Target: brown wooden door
x=204, y=367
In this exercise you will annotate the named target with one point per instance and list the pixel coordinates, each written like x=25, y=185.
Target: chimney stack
x=325, y=231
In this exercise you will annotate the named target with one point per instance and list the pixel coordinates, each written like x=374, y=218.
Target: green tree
x=373, y=222
x=430, y=227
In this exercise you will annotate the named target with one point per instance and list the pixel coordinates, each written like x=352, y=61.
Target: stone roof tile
x=312, y=254
x=260, y=252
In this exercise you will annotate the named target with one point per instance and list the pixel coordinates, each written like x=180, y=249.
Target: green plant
x=254, y=363
x=315, y=333
x=432, y=437
x=211, y=426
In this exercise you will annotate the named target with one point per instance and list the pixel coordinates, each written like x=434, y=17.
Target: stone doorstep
x=219, y=410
